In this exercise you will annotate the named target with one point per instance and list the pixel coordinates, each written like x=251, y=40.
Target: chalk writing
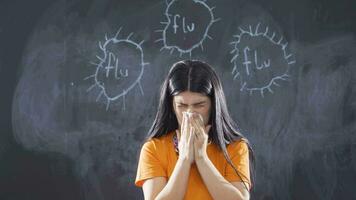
x=114, y=67
x=248, y=61
x=183, y=27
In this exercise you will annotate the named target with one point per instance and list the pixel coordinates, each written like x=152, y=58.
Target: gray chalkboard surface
x=81, y=82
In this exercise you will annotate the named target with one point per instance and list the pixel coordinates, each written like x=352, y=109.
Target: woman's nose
x=191, y=110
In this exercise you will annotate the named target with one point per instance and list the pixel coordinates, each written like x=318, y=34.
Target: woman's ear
x=207, y=128
x=173, y=108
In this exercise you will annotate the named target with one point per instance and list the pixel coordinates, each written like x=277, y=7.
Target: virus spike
x=158, y=40
x=263, y=96
x=233, y=70
x=101, y=46
x=93, y=63
x=270, y=90
x=280, y=40
x=216, y=20
x=243, y=86
x=284, y=77
x=98, y=97
x=128, y=37
x=236, y=75
x=88, y=77
x=91, y=87
x=266, y=31
x=256, y=30
x=139, y=44
x=101, y=59
x=242, y=30
x=117, y=33
x=233, y=51
x=284, y=46
x=107, y=105
x=140, y=86
x=234, y=58
x=124, y=102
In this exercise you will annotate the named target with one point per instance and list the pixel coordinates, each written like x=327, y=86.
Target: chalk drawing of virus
x=255, y=55
x=182, y=27
x=112, y=79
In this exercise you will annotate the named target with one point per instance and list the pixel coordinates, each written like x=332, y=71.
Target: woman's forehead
x=190, y=97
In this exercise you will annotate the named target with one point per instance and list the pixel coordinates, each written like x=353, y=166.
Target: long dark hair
x=197, y=76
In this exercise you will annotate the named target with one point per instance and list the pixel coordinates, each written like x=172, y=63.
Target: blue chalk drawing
x=183, y=23
x=242, y=62
x=110, y=64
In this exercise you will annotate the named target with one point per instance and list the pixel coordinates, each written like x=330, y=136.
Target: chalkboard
x=81, y=84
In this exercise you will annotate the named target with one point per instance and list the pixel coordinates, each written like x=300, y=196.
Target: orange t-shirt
x=158, y=158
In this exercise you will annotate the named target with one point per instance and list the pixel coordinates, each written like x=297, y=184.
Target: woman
x=194, y=149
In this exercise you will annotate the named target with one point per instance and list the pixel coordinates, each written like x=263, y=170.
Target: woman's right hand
x=185, y=138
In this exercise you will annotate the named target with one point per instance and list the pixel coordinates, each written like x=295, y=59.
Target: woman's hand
x=186, y=139
x=201, y=136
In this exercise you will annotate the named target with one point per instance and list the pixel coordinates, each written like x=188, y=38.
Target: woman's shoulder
x=159, y=142
x=238, y=146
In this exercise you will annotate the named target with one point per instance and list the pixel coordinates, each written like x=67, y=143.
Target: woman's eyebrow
x=200, y=102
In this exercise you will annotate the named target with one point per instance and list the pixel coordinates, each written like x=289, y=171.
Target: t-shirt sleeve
x=149, y=165
x=240, y=159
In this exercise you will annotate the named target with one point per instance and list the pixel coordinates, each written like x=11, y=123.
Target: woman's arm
x=153, y=186
x=177, y=184
x=217, y=185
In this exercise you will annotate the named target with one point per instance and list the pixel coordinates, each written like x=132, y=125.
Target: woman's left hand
x=201, y=136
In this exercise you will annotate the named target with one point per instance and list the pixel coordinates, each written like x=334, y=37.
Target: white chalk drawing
x=246, y=59
x=178, y=23
x=111, y=67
